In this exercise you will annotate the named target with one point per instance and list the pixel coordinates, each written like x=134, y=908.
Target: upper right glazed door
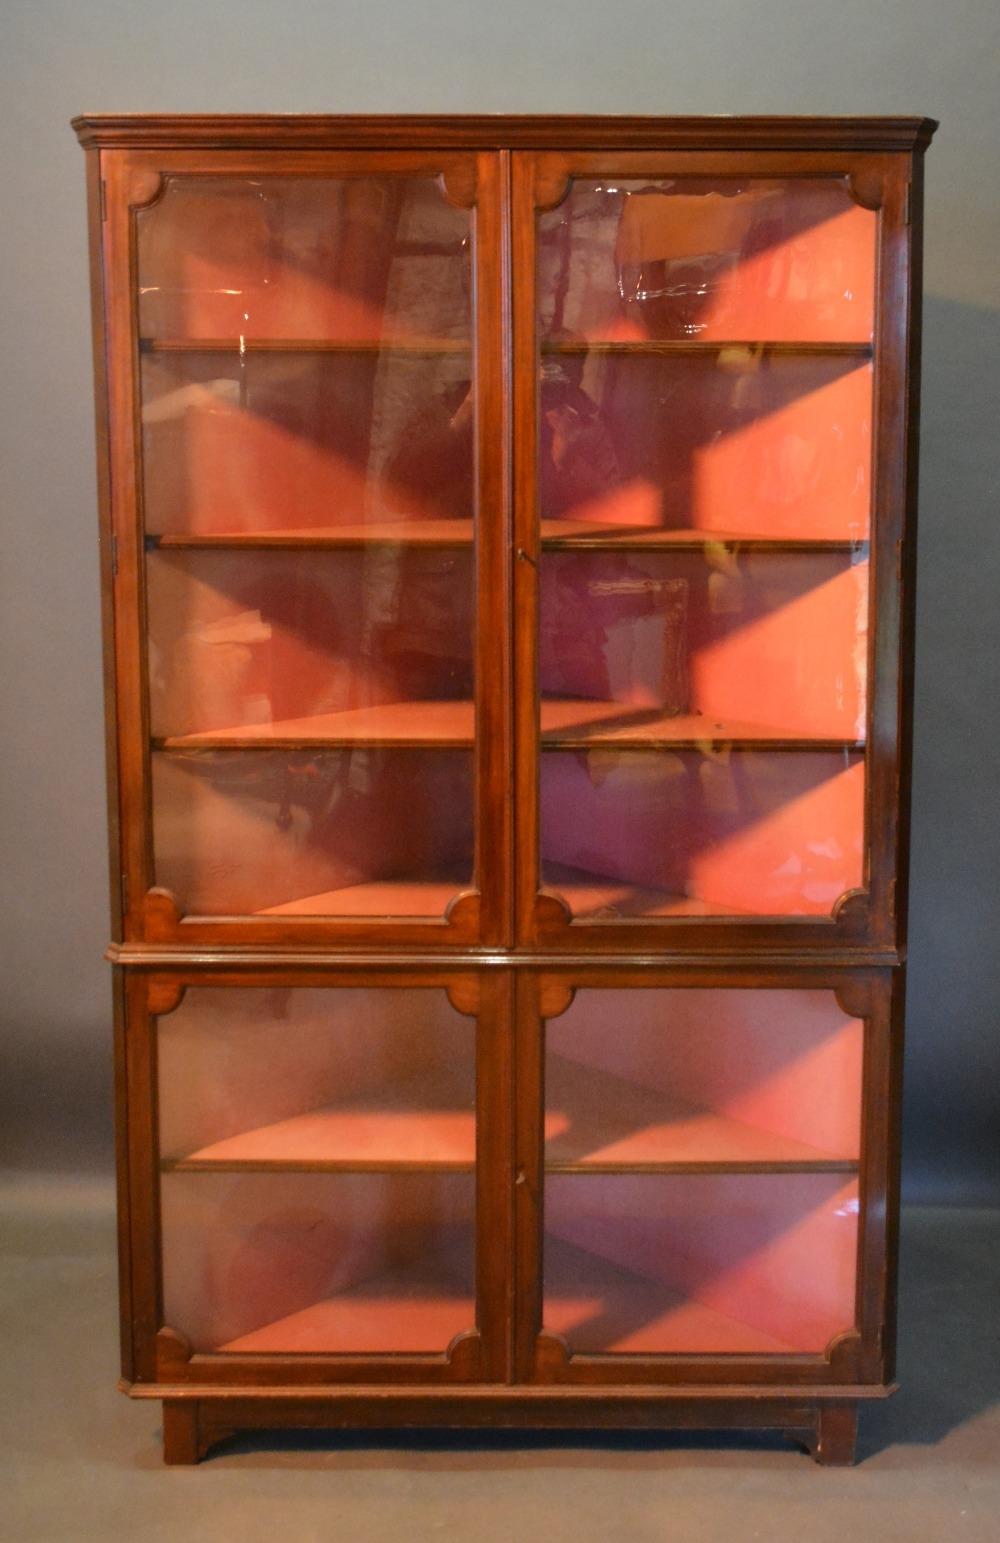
x=705, y=424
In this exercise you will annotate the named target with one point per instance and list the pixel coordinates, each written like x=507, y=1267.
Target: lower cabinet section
x=514, y=1194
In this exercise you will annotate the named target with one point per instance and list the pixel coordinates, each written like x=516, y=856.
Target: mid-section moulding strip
x=199, y=956
x=432, y=1403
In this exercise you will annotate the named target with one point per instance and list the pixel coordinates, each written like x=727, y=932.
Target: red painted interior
x=693, y=1075
x=301, y=257
x=363, y=424
x=374, y=1074
x=305, y=1261
x=238, y=832
x=724, y=1262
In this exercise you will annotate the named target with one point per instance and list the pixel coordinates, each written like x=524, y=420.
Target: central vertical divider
x=496, y=847
x=523, y=548
x=526, y=542
x=508, y=981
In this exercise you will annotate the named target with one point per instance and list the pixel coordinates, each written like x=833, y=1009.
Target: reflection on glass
x=345, y=1263
x=318, y=1152
x=703, y=1076
x=309, y=498
x=734, y=1263
x=339, y=1076
x=372, y=643
x=350, y=832
x=701, y=1190
x=704, y=491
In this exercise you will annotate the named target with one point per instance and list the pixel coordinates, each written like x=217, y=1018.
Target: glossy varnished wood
x=495, y=131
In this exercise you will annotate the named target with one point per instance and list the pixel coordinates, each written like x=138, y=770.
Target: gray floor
x=82, y=1462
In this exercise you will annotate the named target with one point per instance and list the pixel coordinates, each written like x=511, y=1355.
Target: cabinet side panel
x=908, y=565
x=95, y=225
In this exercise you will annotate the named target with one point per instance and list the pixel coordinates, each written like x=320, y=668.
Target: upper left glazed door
x=308, y=506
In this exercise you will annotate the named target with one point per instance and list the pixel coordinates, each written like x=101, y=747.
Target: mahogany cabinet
x=508, y=539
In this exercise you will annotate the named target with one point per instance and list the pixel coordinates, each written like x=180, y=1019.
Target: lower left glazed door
x=324, y=1159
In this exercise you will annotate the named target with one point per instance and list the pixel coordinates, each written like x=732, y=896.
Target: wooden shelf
x=248, y=345
x=584, y=725
x=423, y=533
x=598, y=896
x=416, y=1308
x=384, y=1136
x=566, y=724
x=392, y=725
x=597, y=1122
x=602, y=1307
x=699, y=347
x=556, y=536
x=381, y=898
x=584, y=535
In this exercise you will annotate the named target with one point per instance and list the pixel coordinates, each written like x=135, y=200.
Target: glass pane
x=704, y=484
x=701, y=1188
x=309, y=498
x=738, y=259
x=712, y=1263
x=367, y=832
x=318, y=1156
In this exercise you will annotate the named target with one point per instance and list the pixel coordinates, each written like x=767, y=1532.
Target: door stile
x=529, y=1103
x=494, y=1169
x=526, y=543
x=493, y=758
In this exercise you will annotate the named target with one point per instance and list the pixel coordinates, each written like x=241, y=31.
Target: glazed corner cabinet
x=508, y=542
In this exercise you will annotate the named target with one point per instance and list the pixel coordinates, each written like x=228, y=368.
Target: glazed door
x=310, y=543
x=326, y=1160
x=706, y=686
x=699, y=1198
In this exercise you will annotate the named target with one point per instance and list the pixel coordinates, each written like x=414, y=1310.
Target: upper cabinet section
x=507, y=528
x=306, y=347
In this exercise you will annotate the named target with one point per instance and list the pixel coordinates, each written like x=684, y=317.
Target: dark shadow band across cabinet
x=508, y=534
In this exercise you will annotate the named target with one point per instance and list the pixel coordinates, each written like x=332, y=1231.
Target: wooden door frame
x=122, y=183
x=862, y=1355
x=868, y=917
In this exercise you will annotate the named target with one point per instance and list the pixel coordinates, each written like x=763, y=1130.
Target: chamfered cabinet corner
x=508, y=542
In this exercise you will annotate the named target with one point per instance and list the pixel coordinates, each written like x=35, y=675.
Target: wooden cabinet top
x=497, y=130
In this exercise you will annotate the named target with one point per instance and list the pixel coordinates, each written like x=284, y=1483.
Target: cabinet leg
x=836, y=1435
x=182, y=1440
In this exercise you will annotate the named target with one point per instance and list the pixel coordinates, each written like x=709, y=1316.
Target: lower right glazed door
x=703, y=1174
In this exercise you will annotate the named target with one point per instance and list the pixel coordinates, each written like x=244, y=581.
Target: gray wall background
x=60, y=57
